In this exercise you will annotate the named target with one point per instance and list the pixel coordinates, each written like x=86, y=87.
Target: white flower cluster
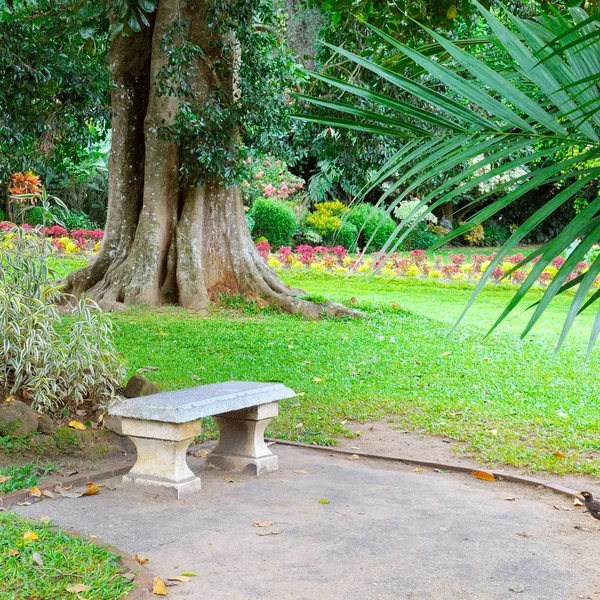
x=497, y=180
x=404, y=209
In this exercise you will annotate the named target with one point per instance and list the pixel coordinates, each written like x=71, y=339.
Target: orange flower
x=24, y=183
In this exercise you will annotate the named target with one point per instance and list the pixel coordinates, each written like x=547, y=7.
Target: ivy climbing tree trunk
x=167, y=241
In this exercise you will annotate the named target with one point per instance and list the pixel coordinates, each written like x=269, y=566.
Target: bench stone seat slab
x=182, y=406
x=162, y=426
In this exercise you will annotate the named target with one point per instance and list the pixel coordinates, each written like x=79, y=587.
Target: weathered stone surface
x=139, y=386
x=241, y=445
x=161, y=455
x=16, y=418
x=186, y=405
x=46, y=425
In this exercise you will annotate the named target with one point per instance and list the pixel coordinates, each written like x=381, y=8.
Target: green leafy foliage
x=275, y=220
x=24, y=476
x=58, y=368
x=466, y=135
x=374, y=226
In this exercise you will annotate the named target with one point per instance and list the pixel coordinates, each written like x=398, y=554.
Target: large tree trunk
x=166, y=241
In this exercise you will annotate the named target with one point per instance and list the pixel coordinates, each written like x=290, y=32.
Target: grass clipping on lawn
x=37, y=561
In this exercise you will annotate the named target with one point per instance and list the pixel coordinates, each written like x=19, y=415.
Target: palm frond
x=531, y=117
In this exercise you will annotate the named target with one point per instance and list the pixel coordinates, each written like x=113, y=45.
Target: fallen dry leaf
x=418, y=470
x=92, y=489
x=140, y=559
x=352, y=457
x=49, y=494
x=9, y=399
x=509, y=498
x=301, y=472
x=36, y=557
x=181, y=579
x=77, y=425
x=562, y=507
x=262, y=523
x=12, y=552
x=80, y=587
x=202, y=453
x=158, y=587
x=577, y=502
x=443, y=529
x=35, y=491
x=523, y=534
x=560, y=454
x=30, y=536
x=263, y=533
x=581, y=528
x=4, y=478
x=228, y=479
x=445, y=354
x=484, y=475
x=44, y=519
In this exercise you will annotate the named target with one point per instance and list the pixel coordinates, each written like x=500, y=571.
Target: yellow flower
x=484, y=265
x=434, y=274
x=273, y=262
x=413, y=271
x=507, y=266
x=550, y=269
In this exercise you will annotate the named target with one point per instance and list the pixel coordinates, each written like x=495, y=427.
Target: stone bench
x=162, y=426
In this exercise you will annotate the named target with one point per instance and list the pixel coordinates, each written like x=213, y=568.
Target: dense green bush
x=59, y=366
x=495, y=235
x=34, y=216
x=371, y=222
x=75, y=220
x=346, y=236
x=274, y=220
x=420, y=238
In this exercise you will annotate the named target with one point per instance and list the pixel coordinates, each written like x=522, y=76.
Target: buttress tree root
x=166, y=241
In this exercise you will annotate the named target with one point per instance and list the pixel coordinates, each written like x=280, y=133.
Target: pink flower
x=269, y=190
x=497, y=274
x=558, y=262
x=264, y=248
x=245, y=183
x=417, y=256
x=519, y=276
x=259, y=175
x=457, y=259
x=516, y=259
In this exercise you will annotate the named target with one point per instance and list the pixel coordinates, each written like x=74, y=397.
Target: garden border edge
x=498, y=474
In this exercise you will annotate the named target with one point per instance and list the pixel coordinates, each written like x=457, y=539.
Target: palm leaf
x=528, y=117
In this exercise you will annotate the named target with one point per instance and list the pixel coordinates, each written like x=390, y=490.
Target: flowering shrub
x=404, y=209
x=81, y=240
x=268, y=178
x=417, y=264
x=475, y=236
x=24, y=188
x=326, y=218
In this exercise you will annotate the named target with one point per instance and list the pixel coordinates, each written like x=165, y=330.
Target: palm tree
x=542, y=117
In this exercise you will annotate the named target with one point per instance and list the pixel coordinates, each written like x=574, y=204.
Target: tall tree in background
x=184, y=87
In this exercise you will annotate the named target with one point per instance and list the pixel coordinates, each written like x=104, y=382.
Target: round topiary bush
x=274, y=220
x=346, y=236
x=374, y=222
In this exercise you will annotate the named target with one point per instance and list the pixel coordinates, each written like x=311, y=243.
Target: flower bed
x=77, y=241
x=416, y=264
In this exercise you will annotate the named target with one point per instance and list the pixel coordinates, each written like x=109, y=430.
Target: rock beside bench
x=162, y=426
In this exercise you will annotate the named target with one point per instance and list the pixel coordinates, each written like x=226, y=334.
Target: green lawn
x=509, y=400
x=37, y=561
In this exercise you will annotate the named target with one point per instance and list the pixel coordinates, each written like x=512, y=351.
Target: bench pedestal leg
x=241, y=445
x=161, y=460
